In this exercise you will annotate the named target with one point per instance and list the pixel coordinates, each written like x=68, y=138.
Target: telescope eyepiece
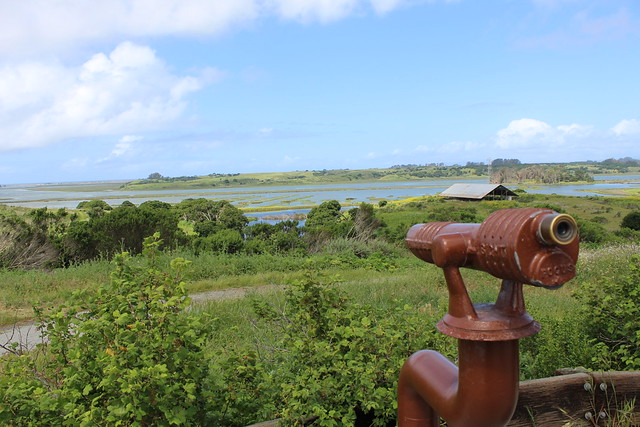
x=558, y=229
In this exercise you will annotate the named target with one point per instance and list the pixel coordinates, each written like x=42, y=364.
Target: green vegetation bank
x=499, y=170
x=123, y=350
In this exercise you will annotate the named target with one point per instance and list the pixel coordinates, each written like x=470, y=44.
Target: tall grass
x=21, y=290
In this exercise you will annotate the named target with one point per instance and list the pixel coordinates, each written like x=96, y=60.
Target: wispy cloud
x=32, y=27
x=536, y=140
x=627, y=127
x=127, y=90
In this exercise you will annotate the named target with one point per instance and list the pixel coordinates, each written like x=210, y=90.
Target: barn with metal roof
x=478, y=192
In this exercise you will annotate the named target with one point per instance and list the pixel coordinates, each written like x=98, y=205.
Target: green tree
x=631, y=220
x=327, y=214
x=220, y=213
x=325, y=222
x=155, y=204
x=227, y=241
x=365, y=222
x=94, y=208
x=282, y=237
x=124, y=228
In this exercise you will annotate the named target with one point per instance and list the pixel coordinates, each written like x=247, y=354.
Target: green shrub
x=628, y=234
x=549, y=206
x=25, y=245
x=339, y=361
x=225, y=241
x=445, y=213
x=121, y=229
x=612, y=310
x=563, y=342
x=126, y=355
x=631, y=220
x=591, y=232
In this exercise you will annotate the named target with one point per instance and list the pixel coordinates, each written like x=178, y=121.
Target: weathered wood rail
x=578, y=399
x=588, y=399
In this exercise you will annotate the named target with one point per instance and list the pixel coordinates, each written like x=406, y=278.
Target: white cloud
x=29, y=27
x=127, y=90
x=121, y=149
x=384, y=6
x=536, y=141
x=574, y=130
x=311, y=10
x=524, y=132
x=532, y=134
x=39, y=26
x=627, y=127
x=326, y=10
x=130, y=138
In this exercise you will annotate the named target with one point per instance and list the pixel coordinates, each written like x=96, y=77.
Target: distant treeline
x=539, y=174
x=48, y=239
x=514, y=171
x=500, y=170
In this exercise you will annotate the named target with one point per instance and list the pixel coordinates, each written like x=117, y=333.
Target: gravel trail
x=27, y=335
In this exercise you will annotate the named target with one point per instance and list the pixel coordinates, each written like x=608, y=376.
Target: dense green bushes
x=24, y=244
x=136, y=356
x=632, y=220
x=122, y=229
x=611, y=309
x=122, y=356
x=200, y=225
x=339, y=361
x=45, y=238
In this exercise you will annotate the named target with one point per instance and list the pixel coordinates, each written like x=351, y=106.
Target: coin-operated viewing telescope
x=537, y=247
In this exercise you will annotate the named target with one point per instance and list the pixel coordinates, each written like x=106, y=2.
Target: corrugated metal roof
x=475, y=191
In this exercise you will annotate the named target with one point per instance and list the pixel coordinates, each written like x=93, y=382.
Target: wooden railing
x=588, y=398
x=576, y=399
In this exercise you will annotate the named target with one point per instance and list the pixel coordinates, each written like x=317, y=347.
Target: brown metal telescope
x=537, y=247
x=532, y=246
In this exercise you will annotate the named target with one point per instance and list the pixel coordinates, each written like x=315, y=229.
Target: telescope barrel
x=533, y=246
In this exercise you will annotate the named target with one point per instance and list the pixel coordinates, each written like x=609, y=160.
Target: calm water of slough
x=64, y=196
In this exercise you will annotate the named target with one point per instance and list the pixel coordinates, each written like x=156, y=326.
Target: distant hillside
x=336, y=176
x=502, y=170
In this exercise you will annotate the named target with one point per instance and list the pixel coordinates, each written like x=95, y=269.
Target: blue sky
x=117, y=89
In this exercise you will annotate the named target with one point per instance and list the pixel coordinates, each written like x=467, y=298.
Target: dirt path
x=27, y=336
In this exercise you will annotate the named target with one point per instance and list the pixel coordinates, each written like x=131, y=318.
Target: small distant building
x=478, y=192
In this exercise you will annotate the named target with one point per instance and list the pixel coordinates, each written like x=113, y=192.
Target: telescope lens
x=558, y=229
x=564, y=231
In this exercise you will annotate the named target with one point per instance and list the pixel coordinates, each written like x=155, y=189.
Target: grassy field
x=339, y=176
x=606, y=211
x=342, y=176
x=20, y=290
x=253, y=359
